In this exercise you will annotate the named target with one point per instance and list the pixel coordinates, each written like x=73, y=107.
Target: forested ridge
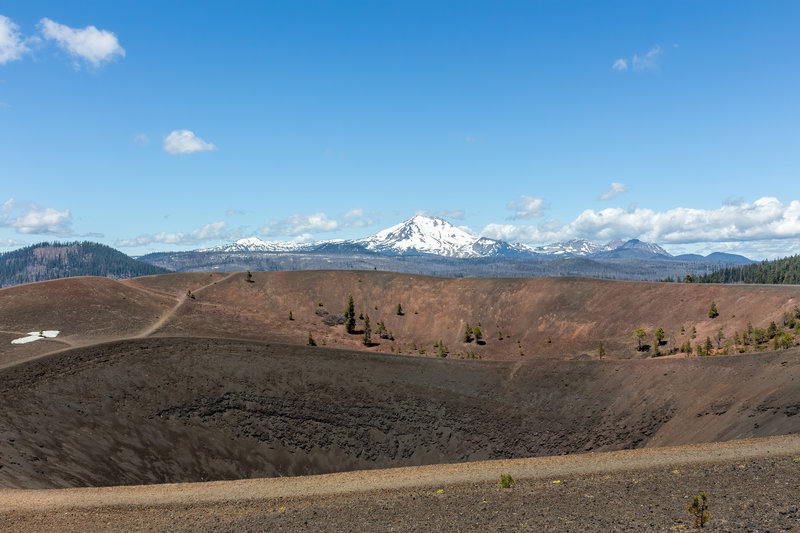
x=780, y=271
x=51, y=260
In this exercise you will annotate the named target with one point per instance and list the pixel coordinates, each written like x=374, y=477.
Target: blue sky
x=156, y=126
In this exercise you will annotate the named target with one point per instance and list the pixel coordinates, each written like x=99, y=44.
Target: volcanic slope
x=85, y=311
x=533, y=317
x=556, y=317
x=157, y=410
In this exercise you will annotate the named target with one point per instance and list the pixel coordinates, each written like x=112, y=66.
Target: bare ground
x=147, y=386
x=563, y=318
x=752, y=485
x=189, y=409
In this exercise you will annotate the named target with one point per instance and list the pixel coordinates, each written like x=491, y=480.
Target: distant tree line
x=779, y=271
x=52, y=260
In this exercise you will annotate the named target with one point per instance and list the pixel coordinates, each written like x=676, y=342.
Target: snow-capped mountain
x=425, y=235
x=254, y=244
x=580, y=247
x=429, y=235
x=635, y=248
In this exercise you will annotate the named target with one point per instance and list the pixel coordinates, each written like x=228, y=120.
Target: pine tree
x=367, y=337
x=311, y=341
x=601, y=352
x=719, y=337
x=712, y=311
x=468, y=334
x=399, y=310
x=639, y=335
x=476, y=331
x=350, y=316
x=699, y=509
x=659, y=336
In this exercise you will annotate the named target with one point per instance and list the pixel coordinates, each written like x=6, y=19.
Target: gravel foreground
x=752, y=485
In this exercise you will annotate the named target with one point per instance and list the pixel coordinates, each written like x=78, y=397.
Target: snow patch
x=36, y=335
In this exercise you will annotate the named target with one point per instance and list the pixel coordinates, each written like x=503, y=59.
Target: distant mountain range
x=434, y=236
x=431, y=245
x=421, y=245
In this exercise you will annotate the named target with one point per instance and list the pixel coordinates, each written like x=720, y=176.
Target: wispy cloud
x=207, y=232
x=356, y=218
x=300, y=223
x=616, y=189
x=647, y=61
x=89, y=44
x=450, y=214
x=302, y=226
x=527, y=207
x=141, y=139
x=620, y=64
x=12, y=44
x=7, y=243
x=30, y=218
x=765, y=219
x=186, y=142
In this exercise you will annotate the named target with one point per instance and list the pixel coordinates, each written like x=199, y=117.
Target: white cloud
x=30, y=218
x=527, y=207
x=141, y=139
x=452, y=214
x=303, y=238
x=647, y=61
x=12, y=44
x=93, y=45
x=616, y=189
x=207, y=232
x=355, y=218
x=7, y=243
x=300, y=223
x=185, y=142
x=765, y=219
x=620, y=64
x=449, y=214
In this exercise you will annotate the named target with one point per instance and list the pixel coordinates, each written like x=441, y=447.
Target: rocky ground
x=752, y=486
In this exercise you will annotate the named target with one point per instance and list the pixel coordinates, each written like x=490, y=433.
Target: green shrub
x=506, y=481
x=699, y=509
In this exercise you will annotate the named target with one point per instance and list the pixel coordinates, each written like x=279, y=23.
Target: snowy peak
x=423, y=235
x=430, y=235
x=636, y=249
x=254, y=244
x=580, y=247
x=651, y=247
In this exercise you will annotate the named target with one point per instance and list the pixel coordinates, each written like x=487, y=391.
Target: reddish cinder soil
x=573, y=314
x=146, y=385
x=537, y=317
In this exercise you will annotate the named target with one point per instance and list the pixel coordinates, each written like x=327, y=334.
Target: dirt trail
x=180, y=301
x=432, y=476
